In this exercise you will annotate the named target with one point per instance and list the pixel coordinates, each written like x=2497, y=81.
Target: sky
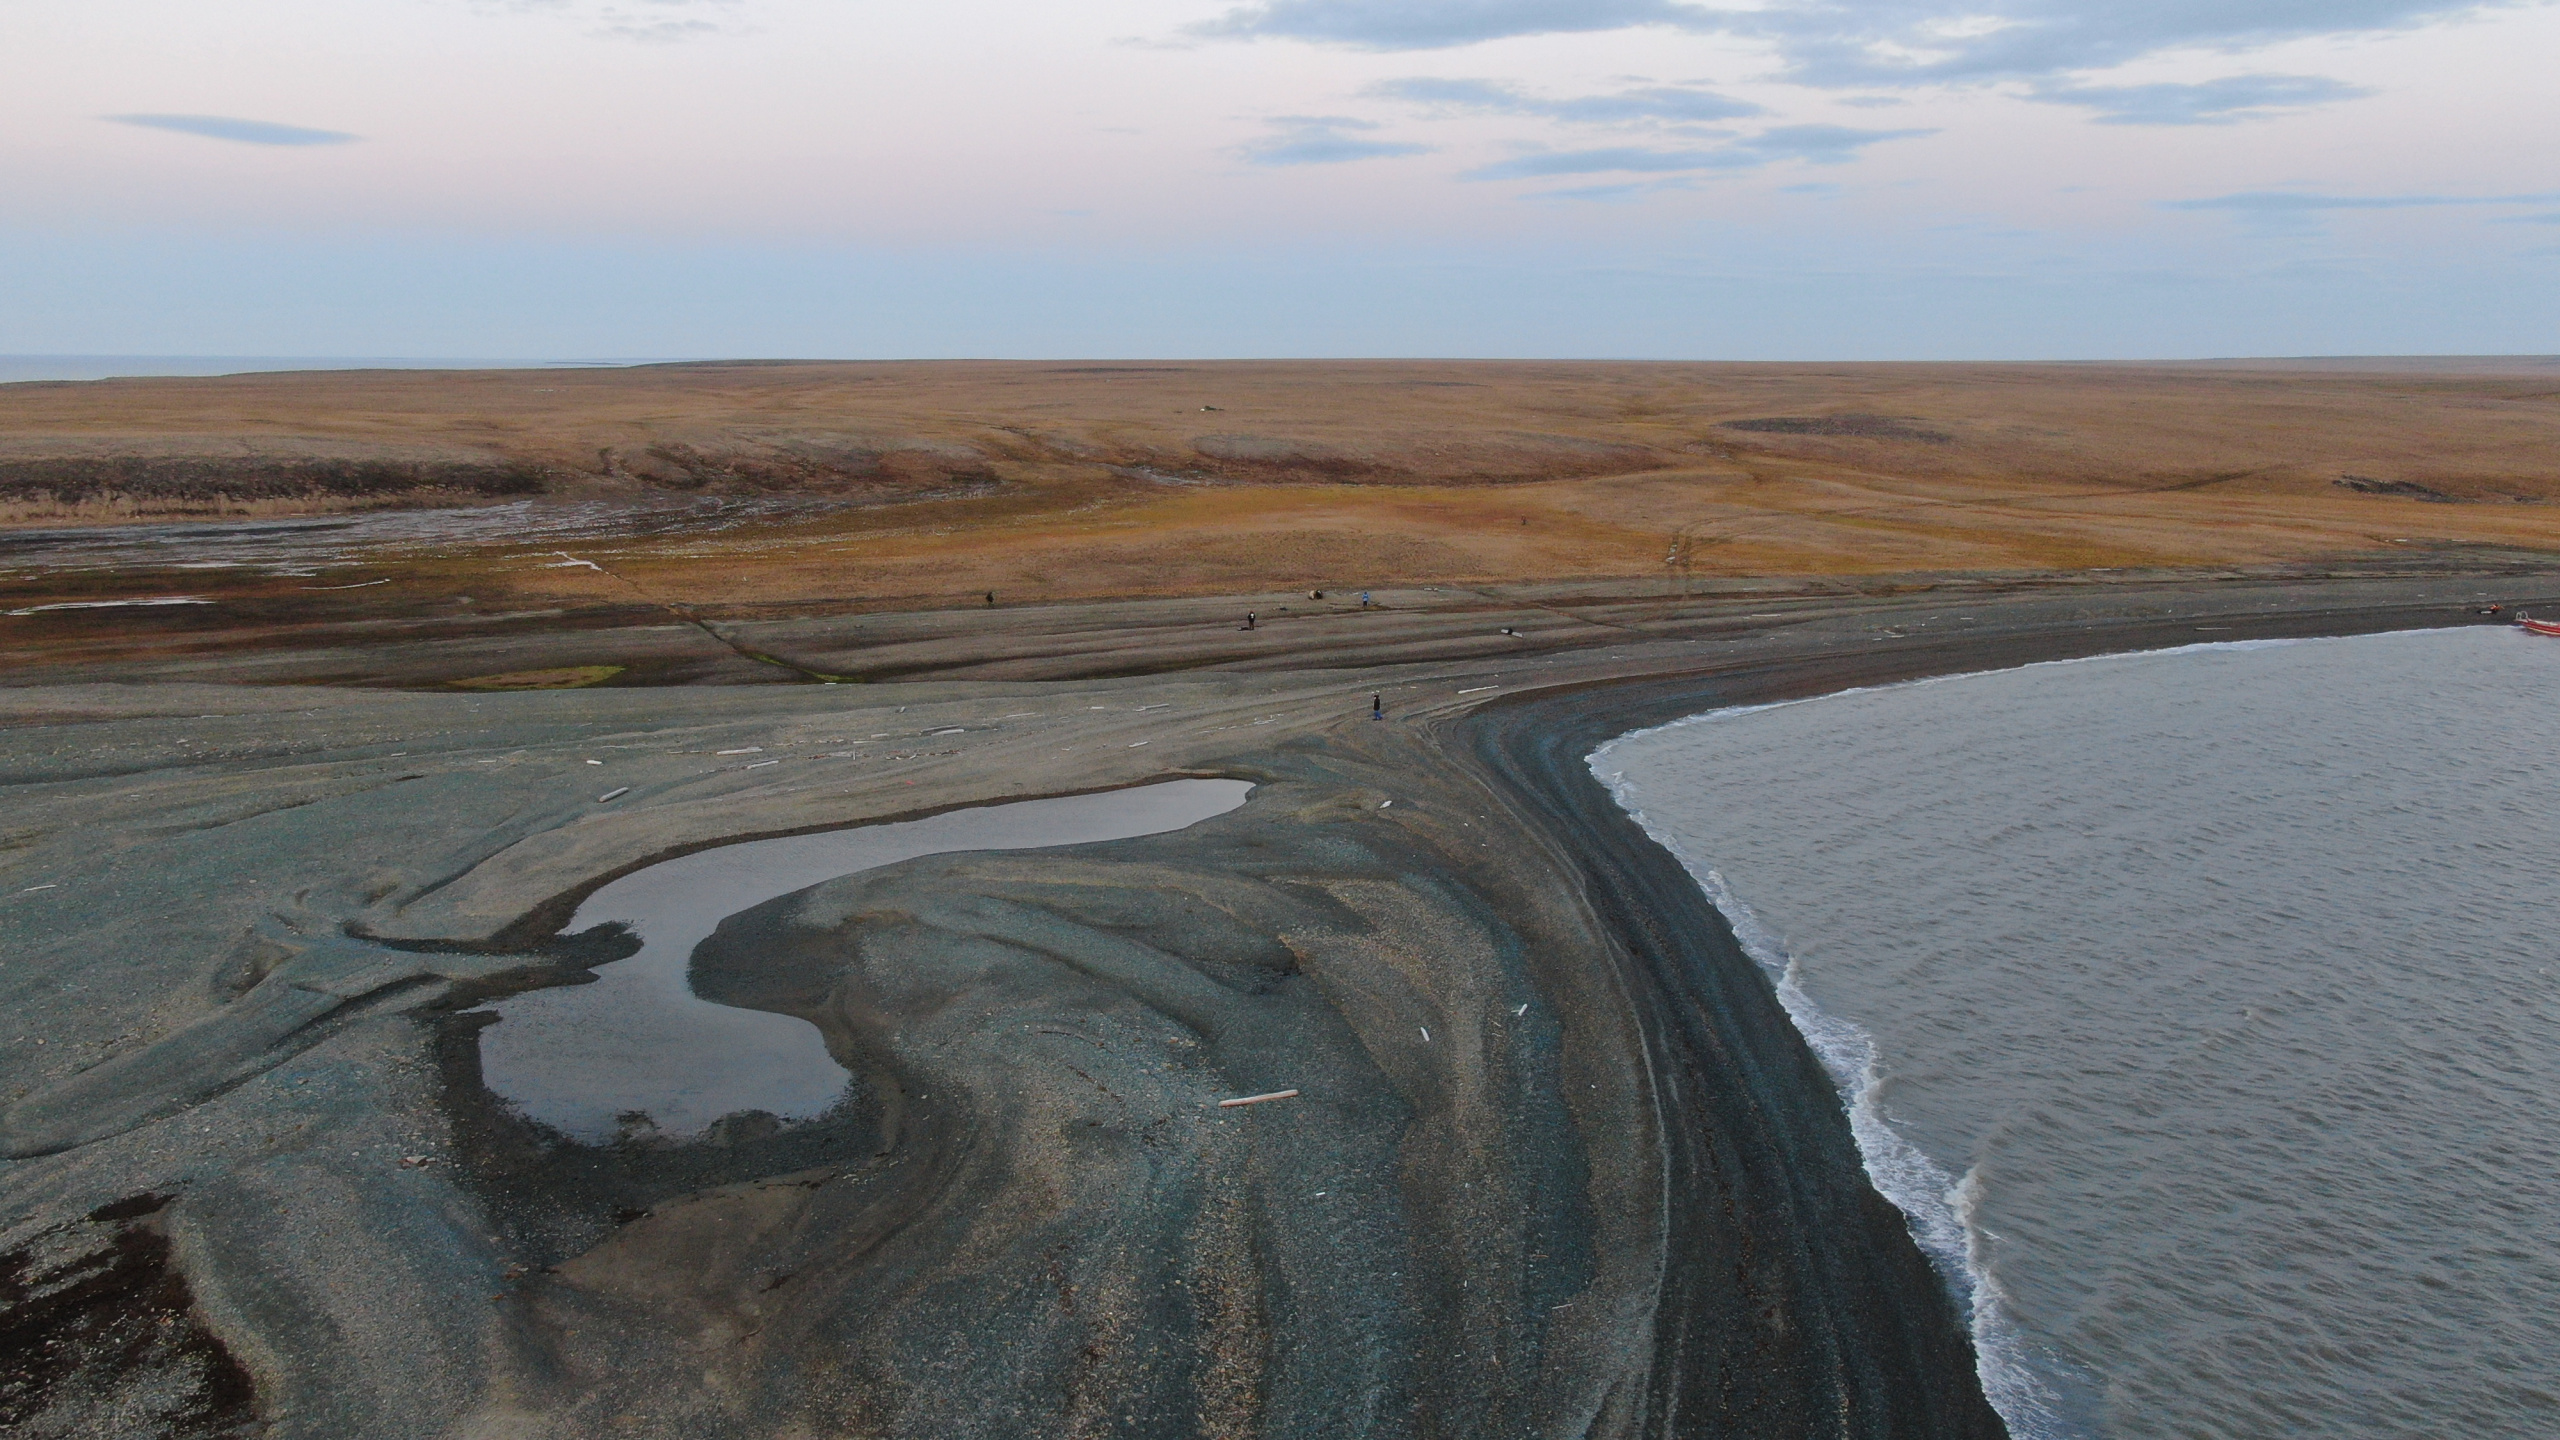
x=1777, y=179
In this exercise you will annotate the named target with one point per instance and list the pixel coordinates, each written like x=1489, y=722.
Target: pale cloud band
x=1865, y=43
x=2213, y=102
x=2287, y=202
x=244, y=132
x=1814, y=144
x=648, y=21
x=1672, y=103
x=1436, y=24
x=2294, y=212
x=1321, y=140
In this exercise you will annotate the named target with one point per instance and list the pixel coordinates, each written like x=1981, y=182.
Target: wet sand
x=639, y=1050
x=1558, y=1163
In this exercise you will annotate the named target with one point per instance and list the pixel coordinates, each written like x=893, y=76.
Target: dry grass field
x=1060, y=481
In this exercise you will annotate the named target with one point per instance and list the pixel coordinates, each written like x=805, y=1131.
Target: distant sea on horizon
x=2200, y=1008
x=16, y=369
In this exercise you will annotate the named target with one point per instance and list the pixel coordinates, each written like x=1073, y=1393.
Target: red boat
x=2538, y=627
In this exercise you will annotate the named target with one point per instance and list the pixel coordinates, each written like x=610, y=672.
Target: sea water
x=2201, y=1009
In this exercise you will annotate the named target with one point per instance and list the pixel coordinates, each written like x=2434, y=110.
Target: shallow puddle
x=593, y=1060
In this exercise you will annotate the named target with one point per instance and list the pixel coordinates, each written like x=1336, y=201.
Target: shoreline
x=1677, y=944
x=2040, y=1399
x=1636, y=1201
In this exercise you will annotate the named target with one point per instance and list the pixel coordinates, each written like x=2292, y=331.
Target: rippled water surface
x=2202, y=1008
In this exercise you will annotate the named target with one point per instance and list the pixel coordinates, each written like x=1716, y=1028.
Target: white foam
x=2040, y=1394
x=1938, y=1208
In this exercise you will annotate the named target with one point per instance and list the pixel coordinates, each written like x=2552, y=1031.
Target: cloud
x=1321, y=140
x=1619, y=194
x=656, y=32
x=1862, y=43
x=2288, y=202
x=2291, y=212
x=1436, y=24
x=1634, y=159
x=245, y=132
x=1651, y=102
x=1822, y=144
x=1839, y=42
x=1815, y=144
x=2213, y=102
x=658, y=22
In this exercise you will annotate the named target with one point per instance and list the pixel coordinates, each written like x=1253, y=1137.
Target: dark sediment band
x=1771, y=1216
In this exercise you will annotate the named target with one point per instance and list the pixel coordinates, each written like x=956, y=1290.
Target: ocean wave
x=1939, y=1208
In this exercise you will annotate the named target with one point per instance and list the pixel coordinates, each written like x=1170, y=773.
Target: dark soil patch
x=99, y=1336
x=1850, y=425
x=2408, y=489
x=72, y=479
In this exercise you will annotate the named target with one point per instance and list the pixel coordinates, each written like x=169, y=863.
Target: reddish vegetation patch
x=1855, y=426
x=146, y=479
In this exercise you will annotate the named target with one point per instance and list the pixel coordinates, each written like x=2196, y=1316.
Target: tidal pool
x=638, y=1051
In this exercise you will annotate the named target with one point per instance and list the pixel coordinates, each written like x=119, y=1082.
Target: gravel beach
x=1557, y=1163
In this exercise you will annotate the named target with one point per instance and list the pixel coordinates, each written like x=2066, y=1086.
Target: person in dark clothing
x=1377, y=709
x=991, y=597
x=1249, y=620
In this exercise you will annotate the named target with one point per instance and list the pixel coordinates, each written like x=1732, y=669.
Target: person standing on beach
x=1249, y=620
x=1377, y=707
